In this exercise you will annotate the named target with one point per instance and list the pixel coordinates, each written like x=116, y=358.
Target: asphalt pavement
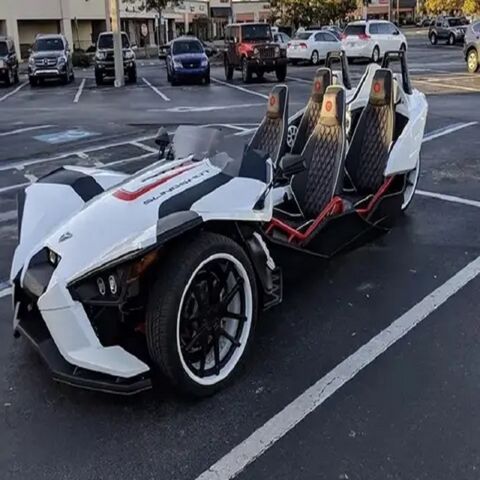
x=408, y=413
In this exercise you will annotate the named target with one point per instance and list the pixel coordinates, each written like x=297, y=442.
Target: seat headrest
x=334, y=106
x=381, y=92
x=277, y=101
x=322, y=80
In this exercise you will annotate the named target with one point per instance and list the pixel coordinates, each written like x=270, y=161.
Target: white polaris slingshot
x=119, y=279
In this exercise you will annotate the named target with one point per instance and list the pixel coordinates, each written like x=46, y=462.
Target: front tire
x=281, y=73
x=451, y=39
x=246, y=72
x=314, y=59
x=472, y=61
x=375, y=55
x=132, y=75
x=201, y=314
x=433, y=39
x=228, y=70
x=33, y=81
x=98, y=78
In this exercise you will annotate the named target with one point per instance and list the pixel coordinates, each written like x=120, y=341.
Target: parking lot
x=408, y=412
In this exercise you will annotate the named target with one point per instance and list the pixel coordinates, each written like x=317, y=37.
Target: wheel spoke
x=196, y=338
x=216, y=353
x=231, y=294
x=235, y=316
x=225, y=334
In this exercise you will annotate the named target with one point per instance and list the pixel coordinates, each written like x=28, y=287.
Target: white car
x=372, y=39
x=312, y=46
x=281, y=39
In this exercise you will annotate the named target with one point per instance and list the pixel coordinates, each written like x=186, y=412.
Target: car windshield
x=106, y=41
x=354, y=30
x=186, y=46
x=48, y=45
x=3, y=49
x=455, y=22
x=303, y=36
x=256, y=32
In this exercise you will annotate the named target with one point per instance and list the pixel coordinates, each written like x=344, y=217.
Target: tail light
x=303, y=45
x=364, y=36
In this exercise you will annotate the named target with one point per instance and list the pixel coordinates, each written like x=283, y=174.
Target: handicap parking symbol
x=65, y=136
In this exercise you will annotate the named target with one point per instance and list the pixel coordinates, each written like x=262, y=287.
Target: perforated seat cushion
x=269, y=138
x=315, y=187
x=368, y=171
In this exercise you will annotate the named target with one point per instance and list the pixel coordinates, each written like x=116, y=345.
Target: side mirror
x=162, y=139
x=291, y=164
x=396, y=32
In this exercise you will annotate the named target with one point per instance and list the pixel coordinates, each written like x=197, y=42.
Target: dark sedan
x=187, y=59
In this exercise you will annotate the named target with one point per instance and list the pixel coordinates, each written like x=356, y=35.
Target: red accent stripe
x=130, y=196
x=381, y=191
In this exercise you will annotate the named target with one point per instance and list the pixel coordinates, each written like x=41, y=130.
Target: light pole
x=117, y=43
x=108, y=23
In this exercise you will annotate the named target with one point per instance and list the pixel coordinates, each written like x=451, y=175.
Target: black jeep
x=250, y=48
x=8, y=62
x=448, y=29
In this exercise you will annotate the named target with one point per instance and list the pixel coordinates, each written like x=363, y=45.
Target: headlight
x=100, y=55
x=128, y=55
x=61, y=60
x=204, y=62
x=177, y=64
x=31, y=61
x=2, y=64
x=277, y=51
x=256, y=51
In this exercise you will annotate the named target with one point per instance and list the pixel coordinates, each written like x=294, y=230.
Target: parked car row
x=451, y=30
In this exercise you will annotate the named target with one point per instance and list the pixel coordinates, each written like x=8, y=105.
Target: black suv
x=8, y=62
x=250, y=48
x=449, y=29
x=105, y=60
x=50, y=57
x=472, y=47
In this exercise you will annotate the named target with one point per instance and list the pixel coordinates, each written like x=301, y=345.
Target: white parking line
x=445, y=85
x=274, y=429
x=147, y=148
x=13, y=92
x=12, y=188
x=241, y=89
x=79, y=91
x=156, y=90
x=300, y=80
x=5, y=292
x=446, y=131
x=23, y=130
x=449, y=198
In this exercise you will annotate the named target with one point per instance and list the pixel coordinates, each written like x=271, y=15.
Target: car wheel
x=433, y=39
x=201, y=314
x=410, y=186
x=451, y=39
x=314, y=58
x=98, y=78
x=403, y=47
x=291, y=135
x=281, y=73
x=33, y=81
x=260, y=74
x=376, y=55
x=207, y=79
x=294, y=62
x=8, y=78
x=228, y=70
x=16, y=78
x=246, y=71
x=72, y=76
x=472, y=61
x=64, y=78
x=132, y=75
x=173, y=80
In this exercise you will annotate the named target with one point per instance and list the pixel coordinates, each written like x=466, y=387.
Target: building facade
x=81, y=21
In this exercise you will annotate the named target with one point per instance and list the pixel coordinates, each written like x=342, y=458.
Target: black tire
x=169, y=78
x=207, y=79
x=16, y=78
x=260, y=74
x=33, y=81
x=72, y=76
x=281, y=73
x=433, y=38
x=185, y=263
x=98, y=78
x=472, y=61
x=246, y=72
x=375, y=55
x=315, y=58
x=451, y=39
x=65, y=78
x=228, y=70
x=403, y=47
x=8, y=79
x=294, y=62
x=173, y=80
x=132, y=75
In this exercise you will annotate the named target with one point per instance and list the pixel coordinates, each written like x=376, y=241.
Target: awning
x=220, y=12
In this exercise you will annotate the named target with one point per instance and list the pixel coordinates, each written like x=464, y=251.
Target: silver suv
x=50, y=57
x=472, y=47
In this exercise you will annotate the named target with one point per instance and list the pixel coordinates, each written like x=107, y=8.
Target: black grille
x=267, y=52
x=46, y=62
x=191, y=63
x=110, y=57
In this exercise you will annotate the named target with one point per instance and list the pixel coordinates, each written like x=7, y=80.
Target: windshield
x=197, y=141
x=303, y=36
x=186, y=46
x=106, y=41
x=256, y=32
x=455, y=22
x=48, y=45
x=354, y=30
x=3, y=49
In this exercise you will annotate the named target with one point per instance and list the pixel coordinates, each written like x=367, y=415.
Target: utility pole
x=108, y=23
x=117, y=43
x=398, y=12
x=390, y=10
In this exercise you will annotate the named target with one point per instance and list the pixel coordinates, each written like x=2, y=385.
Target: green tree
x=439, y=6
x=471, y=7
